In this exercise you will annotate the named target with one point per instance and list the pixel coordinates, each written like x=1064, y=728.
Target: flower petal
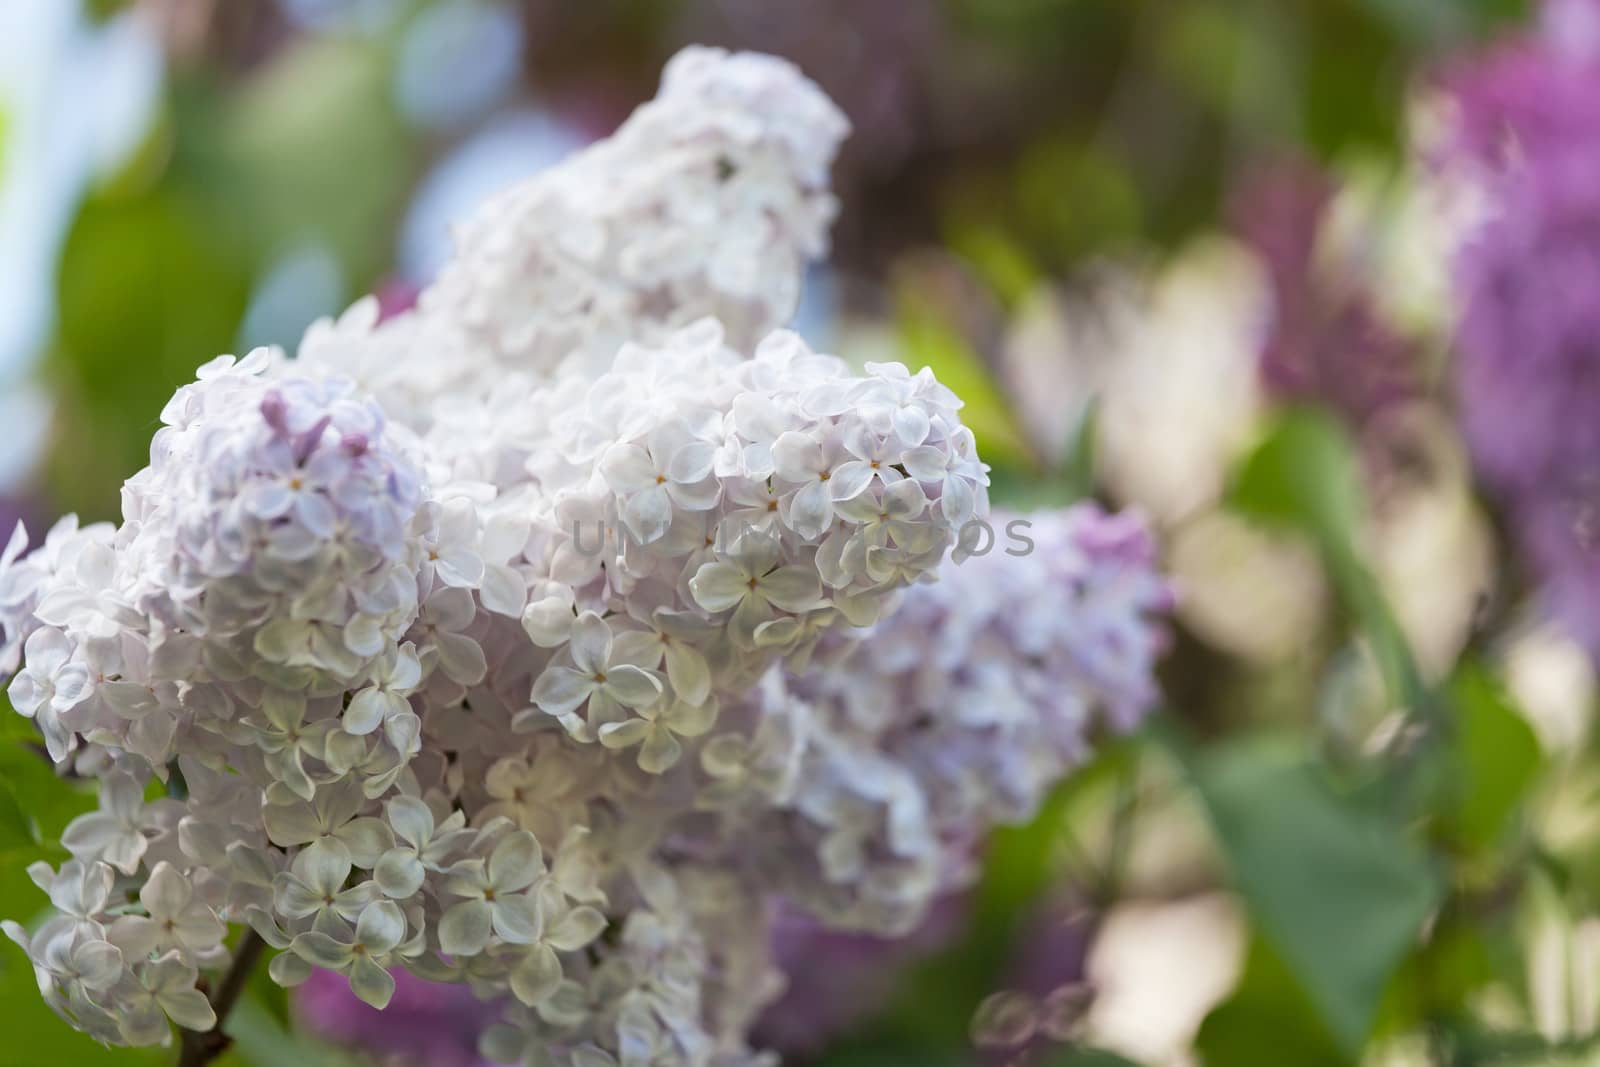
x=794, y=588
x=576, y=929
x=560, y=690
x=590, y=645
x=517, y=918
x=515, y=862
x=464, y=929
x=537, y=977
x=719, y=586
x=632, y=686
x=371, y=983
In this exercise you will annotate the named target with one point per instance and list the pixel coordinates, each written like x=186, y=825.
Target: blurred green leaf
x=1077, y=199
x=261, y=1040
x=34, y=1035
x=1496, y=752
x=1303, y=476
x=1001, y=262
x=1432, y=22
x=104, y=9
x=1079, y=467
x=1447, y=973
x=1237, y=63
x=16, y=829
x=1268, y=1021
x=1338, y=889
x=43, y=801
x=1089, y=1057
x=1356, y=70
x=1048, y=31
x=889, y=1051
x=1474, y=1045
x=929, y=341
x=1022, y=861
x=311, y=149
x=147, y=294
x=1026, y=489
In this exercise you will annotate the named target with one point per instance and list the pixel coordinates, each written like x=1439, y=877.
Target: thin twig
x=198, y=1049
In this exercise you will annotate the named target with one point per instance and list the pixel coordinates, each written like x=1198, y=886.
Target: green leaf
x=928, y=340
x=1000, y=261
x=1434, y=21
x=1303, y=476
x=1340, y=891
x=147, y=293
x=16, y=829
x=1474, y=1045
x=260, y=1040
x=311, y=147
x=34, y=1035
x=1268, y=1021
x=879, y=1051
x=1080, y=463
x=1089, y=1057
x=35, y=803
x=1497, y=756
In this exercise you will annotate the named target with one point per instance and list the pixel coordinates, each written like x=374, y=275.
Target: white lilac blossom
x=711, y=200
x=956, y=714
x=477, y=669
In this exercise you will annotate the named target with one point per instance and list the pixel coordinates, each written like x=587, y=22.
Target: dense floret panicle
x=544, y=641
x=711, y=200
x=958, y=713
x=1529, y=336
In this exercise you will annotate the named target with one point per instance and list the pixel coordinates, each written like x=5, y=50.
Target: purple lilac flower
x=837, y=980
x=958, y=713
x=1528, y=369
x=1325, y=342
x=427, y=1023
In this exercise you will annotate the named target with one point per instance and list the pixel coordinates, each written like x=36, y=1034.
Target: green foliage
x=1268, y=1021
x=1089, y=1057
x=1356, y=928
x=310, y=149
x=1303, y=476
x=1069, y=482
x=1000, y=260
x=1496, y=757
x=262, y=1039
x=1338, y=889
x=35, y=805
x=1079, y=199
x=146, y=295
x=928, y=340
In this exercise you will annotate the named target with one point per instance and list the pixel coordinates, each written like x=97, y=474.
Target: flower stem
x=197, y=1049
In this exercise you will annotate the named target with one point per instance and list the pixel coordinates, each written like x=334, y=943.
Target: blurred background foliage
x=1173, y=254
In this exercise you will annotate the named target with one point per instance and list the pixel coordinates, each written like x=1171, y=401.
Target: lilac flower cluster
x=711, y=200
x=858, y=791
x=474, y=645
x=1528, y=371
x=957, y=713
x=1326, y=341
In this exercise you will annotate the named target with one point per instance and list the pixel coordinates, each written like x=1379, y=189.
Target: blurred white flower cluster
x=521, y=641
